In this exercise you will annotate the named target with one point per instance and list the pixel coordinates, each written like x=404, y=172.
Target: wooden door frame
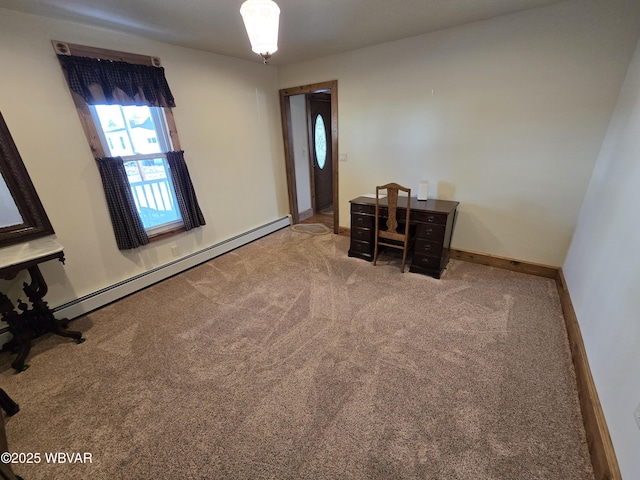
x=285, y=112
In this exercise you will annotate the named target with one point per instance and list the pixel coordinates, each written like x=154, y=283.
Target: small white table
x=30, y=323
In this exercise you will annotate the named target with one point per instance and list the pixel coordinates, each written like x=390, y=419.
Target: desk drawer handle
x=428, y=231
x=360, y=220
x=431, y=218
x=426, y=247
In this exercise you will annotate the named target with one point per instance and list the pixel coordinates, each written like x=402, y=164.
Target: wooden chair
x=391, y=237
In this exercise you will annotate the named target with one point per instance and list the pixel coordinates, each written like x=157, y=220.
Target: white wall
x=602, y=270
x=519, y=108
x=300, y=137
x=228, y=121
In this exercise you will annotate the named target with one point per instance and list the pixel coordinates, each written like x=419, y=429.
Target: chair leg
x=405, y=250
x=375, y=253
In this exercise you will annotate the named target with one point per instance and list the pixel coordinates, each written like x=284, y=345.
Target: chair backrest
x=392, y=205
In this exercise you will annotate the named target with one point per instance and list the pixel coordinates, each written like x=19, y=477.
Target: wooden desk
x=33, y=322
x=432, y=219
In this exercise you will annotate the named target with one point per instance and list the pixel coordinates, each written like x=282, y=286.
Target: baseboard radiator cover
x=603, y=458
x=120, y=290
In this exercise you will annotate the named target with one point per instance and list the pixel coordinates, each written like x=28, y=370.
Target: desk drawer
x=362, y=234
x=426, y=261
x=427, y=217
x=433, y=233
x=357, y=246
x=358, y=208
x=362, y=221
x=424, y=247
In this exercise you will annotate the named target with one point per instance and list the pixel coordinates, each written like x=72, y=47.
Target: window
x=143, y=137
x=124, y=104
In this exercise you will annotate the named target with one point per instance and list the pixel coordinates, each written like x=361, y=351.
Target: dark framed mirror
x=22, y=216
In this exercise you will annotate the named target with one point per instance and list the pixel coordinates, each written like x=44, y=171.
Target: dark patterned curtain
x=185, y=193
x=127, y=225
x=107, y=82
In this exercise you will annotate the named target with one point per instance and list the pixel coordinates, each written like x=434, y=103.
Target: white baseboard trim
x=109, y=294
x=119, y=290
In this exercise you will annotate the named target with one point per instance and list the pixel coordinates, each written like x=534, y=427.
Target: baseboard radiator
x=600, y=446
x=109, y=294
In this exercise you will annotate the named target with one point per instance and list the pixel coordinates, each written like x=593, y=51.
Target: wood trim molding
x=285, y=112
x=537, y=269
x=285, y=117
x=65, y=48
x=306, y=214
x=603, y=456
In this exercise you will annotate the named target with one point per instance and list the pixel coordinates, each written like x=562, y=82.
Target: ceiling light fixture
x=261, y=21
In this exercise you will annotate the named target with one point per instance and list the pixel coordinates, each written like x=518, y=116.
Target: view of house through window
x=139, y=135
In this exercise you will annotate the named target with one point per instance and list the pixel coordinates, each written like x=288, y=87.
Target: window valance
x=107, y=82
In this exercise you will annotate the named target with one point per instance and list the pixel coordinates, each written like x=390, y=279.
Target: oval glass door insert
x=321, y=142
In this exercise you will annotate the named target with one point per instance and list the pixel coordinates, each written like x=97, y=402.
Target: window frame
x=88, y=122
x=165, y=145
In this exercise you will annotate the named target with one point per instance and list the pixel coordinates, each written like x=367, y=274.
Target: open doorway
x=310, y=131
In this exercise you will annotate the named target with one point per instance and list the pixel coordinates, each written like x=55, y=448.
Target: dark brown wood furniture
x=432, y=219
x=22, y=213
x=386, y=231
x=11, y=408
x=30, y=322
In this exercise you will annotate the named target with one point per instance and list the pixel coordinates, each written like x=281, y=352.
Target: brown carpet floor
x=285, y=359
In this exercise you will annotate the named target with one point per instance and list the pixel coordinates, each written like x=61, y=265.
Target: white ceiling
x=308, y=28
